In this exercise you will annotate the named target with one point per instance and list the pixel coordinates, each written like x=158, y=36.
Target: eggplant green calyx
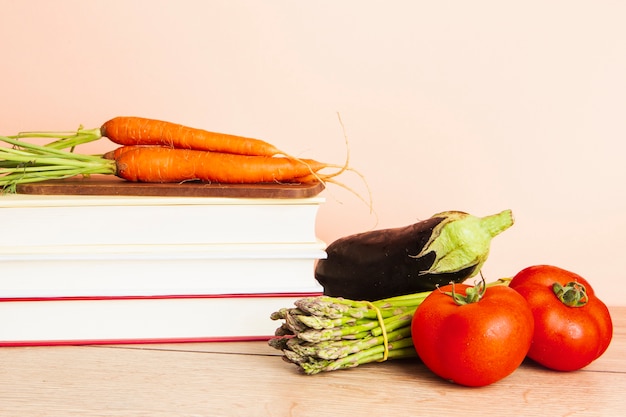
x=462, y=240
x=572, y=294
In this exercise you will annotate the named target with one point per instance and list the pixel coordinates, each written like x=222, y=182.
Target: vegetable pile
x=469, y=335
x=156, y=151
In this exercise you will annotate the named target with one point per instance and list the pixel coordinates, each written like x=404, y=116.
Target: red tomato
x=566, y=338
x=473, y=344
x=547, y=275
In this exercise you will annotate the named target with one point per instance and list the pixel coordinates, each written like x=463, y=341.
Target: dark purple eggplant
x=448, y=247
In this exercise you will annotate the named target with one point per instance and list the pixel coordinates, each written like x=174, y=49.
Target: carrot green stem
x=65, y=139
x=31, y=148
x=25, y=162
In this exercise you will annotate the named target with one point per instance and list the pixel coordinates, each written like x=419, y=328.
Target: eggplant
x=447, y=247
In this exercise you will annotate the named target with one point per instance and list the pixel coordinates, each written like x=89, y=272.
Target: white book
x=140, y=320
x=158, y=270
x=44, y=220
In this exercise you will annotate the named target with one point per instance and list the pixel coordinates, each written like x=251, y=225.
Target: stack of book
x=86, y=269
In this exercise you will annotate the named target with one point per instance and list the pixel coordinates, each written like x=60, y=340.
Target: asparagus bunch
x=325, y=333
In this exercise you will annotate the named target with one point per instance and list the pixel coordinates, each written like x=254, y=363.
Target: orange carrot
x=163, y=164
x=141, y=131
x=117, y=152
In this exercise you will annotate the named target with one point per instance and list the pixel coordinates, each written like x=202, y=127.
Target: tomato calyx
x=572, y=294
x=472, y=294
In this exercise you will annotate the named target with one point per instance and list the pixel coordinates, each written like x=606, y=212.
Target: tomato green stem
x=472, y=294
x=572, y=294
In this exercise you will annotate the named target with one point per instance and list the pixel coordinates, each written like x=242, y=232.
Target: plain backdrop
x=476, y=106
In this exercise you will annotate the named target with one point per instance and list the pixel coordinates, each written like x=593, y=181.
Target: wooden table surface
x=250, y=379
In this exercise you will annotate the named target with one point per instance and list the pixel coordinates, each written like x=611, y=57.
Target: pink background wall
x=475, y=106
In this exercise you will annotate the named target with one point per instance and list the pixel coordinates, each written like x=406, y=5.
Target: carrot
x=142, y=131
x=163, y=164
x=117, y=152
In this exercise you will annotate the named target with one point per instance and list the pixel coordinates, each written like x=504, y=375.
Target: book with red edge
x=141, y=320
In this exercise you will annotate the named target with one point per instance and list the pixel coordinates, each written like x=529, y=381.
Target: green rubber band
x=382, y=328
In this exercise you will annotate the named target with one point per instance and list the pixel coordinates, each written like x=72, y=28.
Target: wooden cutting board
x=111, y=185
